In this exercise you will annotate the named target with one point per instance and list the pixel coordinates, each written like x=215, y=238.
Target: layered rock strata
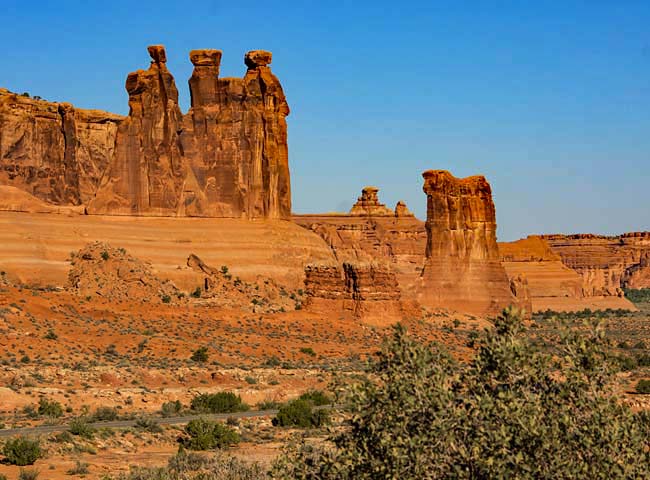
x=462, y=270
x=607, y=264
x=368, y=204
x=227, y=157
x=369, y=291
x=53, y=151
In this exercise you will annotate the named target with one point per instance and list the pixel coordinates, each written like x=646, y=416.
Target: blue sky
x=548, y=99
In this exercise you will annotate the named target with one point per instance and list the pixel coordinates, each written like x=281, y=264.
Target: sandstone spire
x=462, y=266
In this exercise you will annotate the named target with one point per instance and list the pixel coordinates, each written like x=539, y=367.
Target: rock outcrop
x=369, y=291
x=227, y=157
x=462, y=270
x=368, y=204
x=607, y=264
x=374, y=234
x=53, y=151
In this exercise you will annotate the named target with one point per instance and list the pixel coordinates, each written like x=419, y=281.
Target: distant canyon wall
x=227, y=157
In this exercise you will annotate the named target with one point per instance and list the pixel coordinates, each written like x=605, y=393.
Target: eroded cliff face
x=606, y=264
x=372, y=232
x=367, y=291
x=462, y=269
x=227, y=157
x=54, y=151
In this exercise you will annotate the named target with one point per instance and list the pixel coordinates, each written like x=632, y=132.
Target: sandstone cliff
x=227, y=157
x=53, y=151
x=462, y=269
x=607, y=264
x=368, y=204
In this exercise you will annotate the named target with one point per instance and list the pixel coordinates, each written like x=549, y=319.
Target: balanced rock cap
x=157, y=53
x=205, y=57
x=257, y=58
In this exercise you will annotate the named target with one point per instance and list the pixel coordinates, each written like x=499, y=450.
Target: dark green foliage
x=170, y=409
x=105, y=414
x=643, y=386
x=81, y=428
x=641, y=295
x=49, y=408
x=196, y=293
x=51, y=335
x=308, y=351
x=166, y=298
x=316, y=397
x=221, y=402
x=22, y=451
x=105, y=255
x=300, y=413
x=148, y=425
x=206, y=435
x=200, y=355
x=508, y=414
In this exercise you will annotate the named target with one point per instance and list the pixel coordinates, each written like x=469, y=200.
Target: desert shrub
x=204, y=434
x=308, y=351
x=300, y=413
x=200, y=355
x=170, y=409
x=506, y=414
x=105, y=255
x=316, y=397
x=22, y=451
x=80, y=468
x=194, y=466
x=196, y=293
x=641, y=295
x=28, y=474
x=166, y=298
x=3, y=477
x=251, y=380
x=105, y=414
x=643, y=386
x=268, y=405
x=51, y=335
x=148, y=425
x=221, y=402
x=81, y=428
x=49, y=408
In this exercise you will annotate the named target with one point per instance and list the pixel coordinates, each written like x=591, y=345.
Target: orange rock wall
x=54, y=151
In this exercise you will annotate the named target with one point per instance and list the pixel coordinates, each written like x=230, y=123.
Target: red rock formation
x=227, y=157
x=368, y=204
x=53, y=151
x=606, y=264
x=369, y=291
x=462, y=270
x=401, y=210
x=147, y=173
x=235, y=137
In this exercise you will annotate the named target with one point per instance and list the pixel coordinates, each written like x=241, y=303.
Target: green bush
x=22, y=451
x=221, y=402
x=316, y=397
x=81, y=428
x=506, y=414
x=643, y=386
x=49, y=408
x=105, y=414
x=148, y=425
x=169, y=409
x=641, y=295
x=200, y=355
x=28, y=474
x=300, y=413
x=206, y=435
x=308, y=351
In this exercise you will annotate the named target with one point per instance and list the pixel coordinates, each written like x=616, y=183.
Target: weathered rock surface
x=111, y=273
x=53, y=151
x=227, y=157
x=369, y=291
x=462, y=271
x=368, y=204
x=607, y=264
x=401, y=210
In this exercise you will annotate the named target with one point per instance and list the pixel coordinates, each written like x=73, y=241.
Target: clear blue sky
x=550, y=100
